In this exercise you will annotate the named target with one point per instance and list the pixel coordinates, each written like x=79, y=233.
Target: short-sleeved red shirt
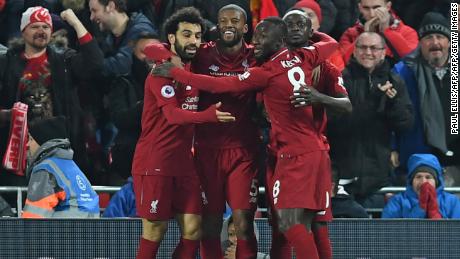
x=164, y=147
x=242, y=132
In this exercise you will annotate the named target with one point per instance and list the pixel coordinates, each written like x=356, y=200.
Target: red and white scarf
x=16, y=151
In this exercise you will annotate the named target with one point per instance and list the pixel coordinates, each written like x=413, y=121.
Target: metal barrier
x=112, y=189
x=118, y=238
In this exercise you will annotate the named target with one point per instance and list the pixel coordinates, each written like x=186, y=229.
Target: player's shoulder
x=284, y=60
x=156, y=81
x=328, y=67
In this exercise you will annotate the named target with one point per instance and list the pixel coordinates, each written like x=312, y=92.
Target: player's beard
x=230, y=43
x=182, y=53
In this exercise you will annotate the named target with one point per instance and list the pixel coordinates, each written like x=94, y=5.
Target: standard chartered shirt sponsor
x=190, y=103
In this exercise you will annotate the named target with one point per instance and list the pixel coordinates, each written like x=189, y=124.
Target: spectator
x=320, y=9
x=57, y=187
x=117, y=76
x=123, y=202
x=347, y=14
x=424, y=196
x=426, y=73
x=35, y=74
x=112, y=17
x=361, y=142
x=229, y=240
x=165, y=180
x=376, y=16
x=313, y=11
x=343, y=204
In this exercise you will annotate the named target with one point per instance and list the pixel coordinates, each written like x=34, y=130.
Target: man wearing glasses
x=360, y=142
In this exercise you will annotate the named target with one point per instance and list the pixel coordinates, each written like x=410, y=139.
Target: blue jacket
x=406, y=204
x=411, y=141
x=123, y=203
x=119, y=58
x=57, y=187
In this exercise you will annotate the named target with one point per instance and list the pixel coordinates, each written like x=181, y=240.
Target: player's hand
x=372, y=25
x=305, y=96
x=163, y=70
x=70, y=17
x=388, y=89
x=223, y=116
x=384, y=18
x=230, y=252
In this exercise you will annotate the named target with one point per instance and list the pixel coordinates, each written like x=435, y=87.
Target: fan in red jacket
x=376, y=16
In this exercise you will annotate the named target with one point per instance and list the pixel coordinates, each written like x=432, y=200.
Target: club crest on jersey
x=290, y=63
x=153, y=206
x=214, y=68
x=167, y=91
x=244, y=76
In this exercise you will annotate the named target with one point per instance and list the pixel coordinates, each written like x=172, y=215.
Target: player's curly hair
x=186, y=14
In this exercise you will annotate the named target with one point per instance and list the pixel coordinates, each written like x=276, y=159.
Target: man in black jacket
x=360, y=142
x=37, y=75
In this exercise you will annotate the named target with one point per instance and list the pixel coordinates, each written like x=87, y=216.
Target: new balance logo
x=214, y=68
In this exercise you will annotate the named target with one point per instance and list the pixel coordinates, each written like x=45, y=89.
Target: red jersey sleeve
x=333, y=80
x=323, y=47
x=254, y=79
x=175, y=115
x=165, y=95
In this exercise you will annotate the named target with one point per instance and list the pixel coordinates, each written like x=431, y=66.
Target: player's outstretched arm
x=253, y=79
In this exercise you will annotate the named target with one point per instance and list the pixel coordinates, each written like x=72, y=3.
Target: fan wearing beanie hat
x=313, y=11
x=34, y=15
x=434, y=23
x=434, y=36
x=36, y=27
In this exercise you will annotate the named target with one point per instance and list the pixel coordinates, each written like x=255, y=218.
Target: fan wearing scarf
x=426, y=73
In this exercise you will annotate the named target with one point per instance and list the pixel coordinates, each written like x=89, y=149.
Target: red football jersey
x=293, y=129
x=243, y=131
x=164, y=147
